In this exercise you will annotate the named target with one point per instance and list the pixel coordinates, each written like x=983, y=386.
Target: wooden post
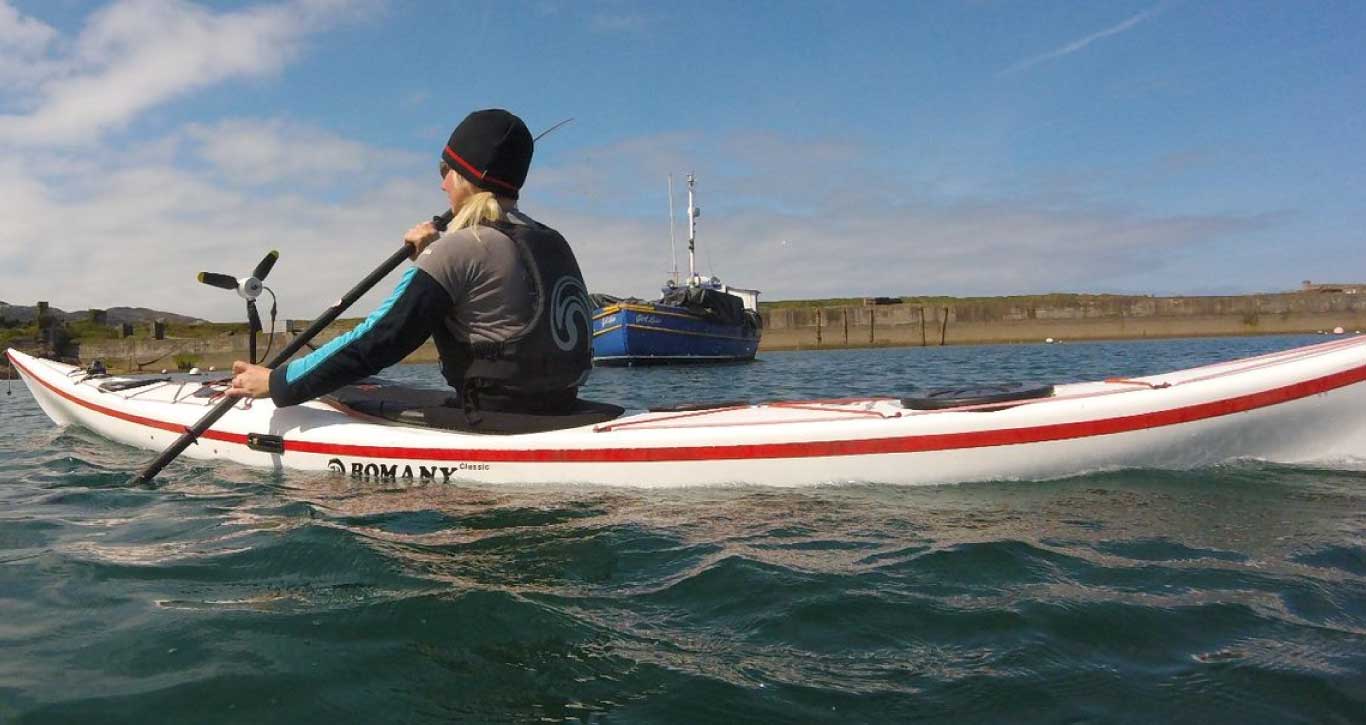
x=872, y=325
x=944, y=329
x=845, y=312
x=44, y=328
x=820, y=312
x=922, y=325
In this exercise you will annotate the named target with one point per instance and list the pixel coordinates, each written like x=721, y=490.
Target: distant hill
x=21, y=313
x=115, y=315
x=120, y=315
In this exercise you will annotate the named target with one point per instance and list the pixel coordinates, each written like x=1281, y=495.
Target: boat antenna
x=693, y=213
x=673, y=243
x=546, y=132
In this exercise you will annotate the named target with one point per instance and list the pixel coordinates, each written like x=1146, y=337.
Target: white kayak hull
x=1299, y=406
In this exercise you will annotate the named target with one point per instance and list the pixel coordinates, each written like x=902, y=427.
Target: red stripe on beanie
x=482, y=175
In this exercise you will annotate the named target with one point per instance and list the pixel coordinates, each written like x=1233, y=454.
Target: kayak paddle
x=192, y=434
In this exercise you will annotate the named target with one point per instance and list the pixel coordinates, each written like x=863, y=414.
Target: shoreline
x=222, y=359
x=918, y=323
x=1056, y=341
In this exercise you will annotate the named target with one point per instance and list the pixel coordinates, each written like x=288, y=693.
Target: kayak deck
x=1291, y=406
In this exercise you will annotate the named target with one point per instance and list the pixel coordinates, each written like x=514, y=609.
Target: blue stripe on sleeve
x=304, y=365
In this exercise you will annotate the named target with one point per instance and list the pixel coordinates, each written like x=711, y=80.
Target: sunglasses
x=444, y=168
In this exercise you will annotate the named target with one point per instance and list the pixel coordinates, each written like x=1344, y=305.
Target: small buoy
x=1338, y=330
x=1049, y=340
x=194, y=371
x=210, y=368
x=163, y=371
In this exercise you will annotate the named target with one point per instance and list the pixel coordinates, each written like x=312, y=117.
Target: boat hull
x=655, y=334
x=1300, y=406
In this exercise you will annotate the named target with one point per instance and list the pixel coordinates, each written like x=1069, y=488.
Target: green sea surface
x=1229, y=594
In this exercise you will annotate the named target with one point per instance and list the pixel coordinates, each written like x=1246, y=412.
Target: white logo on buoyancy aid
x=567, y=301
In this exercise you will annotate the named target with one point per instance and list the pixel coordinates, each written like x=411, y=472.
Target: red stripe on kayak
x=149, y=422
x=871, y=446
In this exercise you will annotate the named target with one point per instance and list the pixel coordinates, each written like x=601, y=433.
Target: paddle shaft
x=192, y=434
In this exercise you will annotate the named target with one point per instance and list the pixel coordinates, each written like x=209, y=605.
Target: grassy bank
x=1052, y=299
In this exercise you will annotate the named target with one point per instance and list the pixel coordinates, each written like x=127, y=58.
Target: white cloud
x=804, y=217
x=965, y=249
x=142, y=222
x=137, y=232
x=24, y=42
x=21, y=35
x=1077, y=45
x=136, y=54
x=265, y=151
x=795, y=217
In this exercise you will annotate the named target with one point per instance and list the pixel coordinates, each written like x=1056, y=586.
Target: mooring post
x=922, y=325
x=844, y=312
x=820, y=312
x=44, y=330
x=944, y=328
x=872, y=325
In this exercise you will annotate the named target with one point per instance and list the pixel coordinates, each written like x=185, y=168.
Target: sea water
x=1230, y=594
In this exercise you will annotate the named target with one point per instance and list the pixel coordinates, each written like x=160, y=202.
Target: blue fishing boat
x=702, y=321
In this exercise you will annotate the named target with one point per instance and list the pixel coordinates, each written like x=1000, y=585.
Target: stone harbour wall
x=1102, y=318
x=147, y=355
x=905, y=324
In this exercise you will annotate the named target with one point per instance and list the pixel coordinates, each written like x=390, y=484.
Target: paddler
x=500, y=293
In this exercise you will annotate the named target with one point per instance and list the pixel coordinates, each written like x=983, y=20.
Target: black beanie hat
x=492, y=149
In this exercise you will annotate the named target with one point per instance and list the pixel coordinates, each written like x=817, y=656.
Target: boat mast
x=693, y=213
x=673, y=243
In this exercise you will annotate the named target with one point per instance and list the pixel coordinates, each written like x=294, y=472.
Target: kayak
x=1306, y=405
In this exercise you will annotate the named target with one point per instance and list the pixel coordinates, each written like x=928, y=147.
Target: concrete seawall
x=951, y=323
x=218, y=352
x=1099, y=318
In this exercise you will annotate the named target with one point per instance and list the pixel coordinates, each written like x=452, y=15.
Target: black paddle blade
x=263, y=268
x=441, y=221
x=214, y=279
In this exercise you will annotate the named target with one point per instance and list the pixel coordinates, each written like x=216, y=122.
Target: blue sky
x=965, y=148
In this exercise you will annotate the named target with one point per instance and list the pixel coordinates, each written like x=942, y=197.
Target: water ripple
x=1233, y=594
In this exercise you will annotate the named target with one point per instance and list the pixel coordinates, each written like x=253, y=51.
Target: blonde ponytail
x=479, y=208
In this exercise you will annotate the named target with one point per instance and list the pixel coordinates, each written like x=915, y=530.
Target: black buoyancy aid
x=553, y=352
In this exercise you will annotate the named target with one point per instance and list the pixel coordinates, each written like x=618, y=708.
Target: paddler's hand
x=249, y=381
x=419, y=237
